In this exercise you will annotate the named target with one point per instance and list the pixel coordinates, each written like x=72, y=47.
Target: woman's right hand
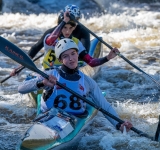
x=66, y=17
x=51, y=82
x=14, y=71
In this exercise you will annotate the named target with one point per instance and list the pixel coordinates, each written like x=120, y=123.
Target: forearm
x=99, y=100
x=93, y=62
x=28, y=86
x=55, y=34
x=33, y=84
x=104, y=104
x=114, y=113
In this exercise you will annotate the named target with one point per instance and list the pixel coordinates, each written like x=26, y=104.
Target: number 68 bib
x=65, y=100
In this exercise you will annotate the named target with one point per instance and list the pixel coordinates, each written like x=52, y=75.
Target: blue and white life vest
x=65, y=100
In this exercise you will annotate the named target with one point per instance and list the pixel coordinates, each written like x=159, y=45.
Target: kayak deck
x=39, y=137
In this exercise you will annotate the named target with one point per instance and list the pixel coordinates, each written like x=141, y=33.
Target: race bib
x=50, y=60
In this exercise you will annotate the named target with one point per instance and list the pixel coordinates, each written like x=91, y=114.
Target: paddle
x=157, y=134
x=21, y=68
x=120, y=55
x=19, y=56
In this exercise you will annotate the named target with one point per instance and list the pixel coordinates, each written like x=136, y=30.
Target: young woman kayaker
x=66, y=51
x=65, y=30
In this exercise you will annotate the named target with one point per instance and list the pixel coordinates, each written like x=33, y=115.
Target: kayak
x=43, y=136
x=96, y=51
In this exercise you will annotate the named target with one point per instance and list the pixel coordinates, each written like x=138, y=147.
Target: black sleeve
x=85, y=39
x=83, y=35
x=39, y=45
x=82, y=54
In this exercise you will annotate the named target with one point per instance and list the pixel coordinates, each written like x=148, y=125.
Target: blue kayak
x=40, y=137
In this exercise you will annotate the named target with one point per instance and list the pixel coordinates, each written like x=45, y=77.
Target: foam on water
x=134, y=29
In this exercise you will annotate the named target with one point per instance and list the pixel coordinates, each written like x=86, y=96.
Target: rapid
x=134, y=28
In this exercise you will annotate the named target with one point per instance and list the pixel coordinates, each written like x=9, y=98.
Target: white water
x=135, y=30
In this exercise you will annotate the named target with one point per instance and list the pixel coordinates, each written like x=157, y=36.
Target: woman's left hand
x=113, y=53
x=127, y=124
x=66, y=16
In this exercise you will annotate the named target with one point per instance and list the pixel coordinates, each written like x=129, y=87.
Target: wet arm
x=99, y=99
x=55, y=34
x=28, y=86
x=34, y=84
x=93, y=62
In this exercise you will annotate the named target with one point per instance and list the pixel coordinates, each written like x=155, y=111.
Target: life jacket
x=65, y=100
x=50, y=59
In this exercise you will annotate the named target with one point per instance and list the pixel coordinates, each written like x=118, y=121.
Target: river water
x=133, y=28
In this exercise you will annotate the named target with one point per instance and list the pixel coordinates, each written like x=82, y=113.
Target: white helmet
x=74, y=10
x=63, y=45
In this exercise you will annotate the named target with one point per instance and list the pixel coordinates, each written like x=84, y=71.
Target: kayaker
x=67, y=29
x=68, y=74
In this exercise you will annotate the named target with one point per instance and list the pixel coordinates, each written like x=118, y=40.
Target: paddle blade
x=157, y=135
x=15, y=53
